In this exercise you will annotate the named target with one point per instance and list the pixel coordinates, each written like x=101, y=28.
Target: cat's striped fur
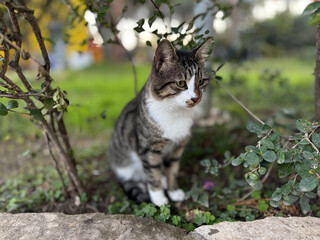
x=153, y=128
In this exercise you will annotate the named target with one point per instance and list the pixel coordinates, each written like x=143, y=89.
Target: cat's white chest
x=175, y=122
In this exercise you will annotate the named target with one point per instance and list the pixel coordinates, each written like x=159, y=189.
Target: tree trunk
x=317, y=78
x=203, y=110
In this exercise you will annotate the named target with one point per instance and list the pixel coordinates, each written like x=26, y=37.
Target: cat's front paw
x=158, y=197
x=176, y=195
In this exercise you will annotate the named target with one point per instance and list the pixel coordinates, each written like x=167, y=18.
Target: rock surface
x=54, y=226
x=268, y=228
x=30, y=226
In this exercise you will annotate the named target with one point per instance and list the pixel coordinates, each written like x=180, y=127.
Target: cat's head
x=180, y=75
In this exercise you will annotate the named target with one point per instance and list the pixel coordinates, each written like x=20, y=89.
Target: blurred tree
x=45, y=106
x=313, y=10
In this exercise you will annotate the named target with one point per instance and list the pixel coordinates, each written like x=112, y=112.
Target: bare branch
x=240, y=103
x=22, y=96
x=158, y=9
x=55, y=163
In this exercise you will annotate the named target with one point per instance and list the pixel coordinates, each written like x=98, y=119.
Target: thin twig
x=306, y=137
x=158, y=9
x=22, y=96
x=262, y=181
x=24, y=53
x=55, y=163
x=241, y=104
x=265, y=137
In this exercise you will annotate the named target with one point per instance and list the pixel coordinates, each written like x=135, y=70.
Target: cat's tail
x=136, y=191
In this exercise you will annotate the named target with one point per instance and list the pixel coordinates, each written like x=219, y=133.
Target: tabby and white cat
x=153, y=128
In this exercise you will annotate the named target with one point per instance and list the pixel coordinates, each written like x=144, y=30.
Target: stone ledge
x=30, y=226
x=268, y=228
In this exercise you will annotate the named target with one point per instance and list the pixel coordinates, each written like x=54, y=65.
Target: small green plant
x=30, y=192
x=297, y=158
x=188, y=221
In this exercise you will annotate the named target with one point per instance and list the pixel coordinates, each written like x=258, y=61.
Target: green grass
x=107, y=87
x=104, y=88
x=268, y=85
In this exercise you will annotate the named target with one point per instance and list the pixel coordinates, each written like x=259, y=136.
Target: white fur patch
x=158, y=197
x=186, y=95
x=176, y=195
x=174, y=120
x=133, y=172
x=173, y=114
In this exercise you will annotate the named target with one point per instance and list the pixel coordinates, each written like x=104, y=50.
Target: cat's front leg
x=172, y=164
x=152, y=168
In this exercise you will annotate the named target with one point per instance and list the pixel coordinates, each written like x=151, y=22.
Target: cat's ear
x=202, y=53
x=165, y=53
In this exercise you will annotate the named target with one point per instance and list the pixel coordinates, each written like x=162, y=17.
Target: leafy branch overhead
x=313, y=10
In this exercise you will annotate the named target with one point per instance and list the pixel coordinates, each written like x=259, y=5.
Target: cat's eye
x=181, y=84
x=202, y=80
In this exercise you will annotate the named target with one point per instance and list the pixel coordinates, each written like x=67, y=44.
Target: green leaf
x=151, y=20
x=276, y=196
x=176, y=220
x=253, y=176
x=304, y=204
x=312, y=7
x=254, y=127
x=253, y=159
x=36, y=114
x=200, y=219
x=190, y=26
x=310, y=194
x=203, y=199
x=205, y=163
x=290, y=199
x=230, y=207
x=269, y=156
x=12, y=104
x=318, y=191
x=256, y=194
x=236, y=162
x=304, y=142
x=274, y=203
x=287, y=188
x=304, y=126
x=302, y=170
x=148, y=43
x=195, y=192
x=314, y=19
x=315, y=138
x=3, y=110
x=281, y=157
x=262, y=170
x=309, y=183
x=285, y=169
x=263, y=206
x=307, y=155
x=267, y=143
x=255, y=184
